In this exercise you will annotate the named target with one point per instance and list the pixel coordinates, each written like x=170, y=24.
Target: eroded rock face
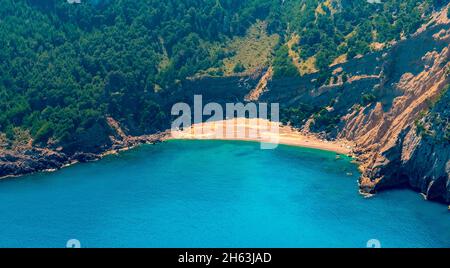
x=14, y=163
x=421, y=156
x=392, y=152
x=21, y=161
x=406, y=79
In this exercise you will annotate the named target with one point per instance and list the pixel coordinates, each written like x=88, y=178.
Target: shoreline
x=287, y=136
x=242, y=128
x=258, y=130
x=81, y=157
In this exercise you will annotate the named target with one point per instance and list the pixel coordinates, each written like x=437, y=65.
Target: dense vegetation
x=65, y=67
x=333, y=28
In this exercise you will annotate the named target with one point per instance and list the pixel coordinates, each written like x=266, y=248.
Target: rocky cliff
x=392, y=145
x=110, y=135
x=420, y=157
x=24, y=159
x=391, y=103
x=382, y=102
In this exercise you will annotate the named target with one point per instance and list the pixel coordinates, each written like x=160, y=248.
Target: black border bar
x=249, y=257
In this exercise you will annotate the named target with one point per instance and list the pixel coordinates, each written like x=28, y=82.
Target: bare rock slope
x=402, y=141
x=402, y=134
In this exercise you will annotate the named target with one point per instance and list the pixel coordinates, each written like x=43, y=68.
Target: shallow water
x=213, y=194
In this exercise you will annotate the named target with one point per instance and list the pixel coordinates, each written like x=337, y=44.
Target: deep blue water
x=213, y=194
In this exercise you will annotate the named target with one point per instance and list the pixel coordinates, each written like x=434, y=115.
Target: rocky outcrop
x=403, y=82
x=421, y=156
x=391, y=151
x=21, y=161
x=13, y=163
x=261, y=87
x=109, y=136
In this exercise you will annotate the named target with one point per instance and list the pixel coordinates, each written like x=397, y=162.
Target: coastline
x=258, y=130
x=47, y=160
x=36, y=160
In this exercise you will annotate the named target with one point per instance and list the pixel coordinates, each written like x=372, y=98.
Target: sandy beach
x=259, y=130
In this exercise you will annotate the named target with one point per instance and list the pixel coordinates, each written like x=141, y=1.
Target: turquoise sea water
x=213, y=194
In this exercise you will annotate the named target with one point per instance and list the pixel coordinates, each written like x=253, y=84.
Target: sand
x=259, y=130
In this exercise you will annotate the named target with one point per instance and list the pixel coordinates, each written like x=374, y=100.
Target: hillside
x=78, y=80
